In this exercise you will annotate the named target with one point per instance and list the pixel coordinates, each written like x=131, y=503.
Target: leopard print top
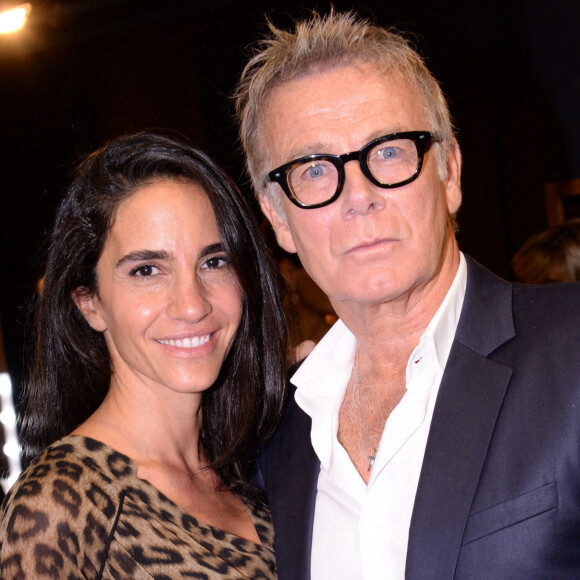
x=80, y=512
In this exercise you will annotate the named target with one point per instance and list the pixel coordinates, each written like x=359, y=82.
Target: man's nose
x=360, y=196
x=189, y=300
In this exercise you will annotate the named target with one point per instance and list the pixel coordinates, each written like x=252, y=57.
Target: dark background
x=83, y=72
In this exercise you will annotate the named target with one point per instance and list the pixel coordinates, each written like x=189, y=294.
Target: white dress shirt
x=362, y=531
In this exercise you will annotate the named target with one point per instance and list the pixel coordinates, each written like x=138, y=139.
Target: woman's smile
x=193, y=342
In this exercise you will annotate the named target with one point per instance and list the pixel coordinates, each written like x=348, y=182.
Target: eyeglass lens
x=389, y=162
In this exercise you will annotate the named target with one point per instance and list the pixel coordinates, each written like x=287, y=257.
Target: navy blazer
x=499, y=490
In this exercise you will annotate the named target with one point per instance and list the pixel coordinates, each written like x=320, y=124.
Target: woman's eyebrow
x=211, y=249
x=143, y=255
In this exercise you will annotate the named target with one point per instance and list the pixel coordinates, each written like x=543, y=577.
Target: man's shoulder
x=550, y=313
x=561, y=300
x=532, y=321
x=549, y=293
x=478, y=276
x=499, y=313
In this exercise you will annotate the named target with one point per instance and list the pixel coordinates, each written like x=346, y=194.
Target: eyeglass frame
x=421, y=139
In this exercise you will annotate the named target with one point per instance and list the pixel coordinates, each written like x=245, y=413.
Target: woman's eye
x=144, y=271
x=215, y=263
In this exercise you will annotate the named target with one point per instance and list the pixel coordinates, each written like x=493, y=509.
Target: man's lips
x=369, y=245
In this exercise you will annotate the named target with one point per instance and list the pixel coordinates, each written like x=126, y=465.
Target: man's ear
x=279, y=223
x=453, y=182
x=88, y=304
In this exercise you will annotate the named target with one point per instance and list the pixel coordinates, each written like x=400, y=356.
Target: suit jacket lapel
x=468, y=403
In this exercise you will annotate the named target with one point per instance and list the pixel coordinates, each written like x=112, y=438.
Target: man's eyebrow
x=306, y=150
x=325, y=149
x=383, y=133
x=143, y=255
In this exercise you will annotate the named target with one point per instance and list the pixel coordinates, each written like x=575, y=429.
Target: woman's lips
x=187, y=342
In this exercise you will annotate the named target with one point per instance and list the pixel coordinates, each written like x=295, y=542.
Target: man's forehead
x=306, y=113
x=319, y=74
x=315, y=83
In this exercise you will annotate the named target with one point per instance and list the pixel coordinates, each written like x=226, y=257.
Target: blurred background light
x=11, y=447
x=14, y=18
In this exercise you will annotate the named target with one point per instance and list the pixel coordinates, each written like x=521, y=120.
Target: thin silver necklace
x=357, y=381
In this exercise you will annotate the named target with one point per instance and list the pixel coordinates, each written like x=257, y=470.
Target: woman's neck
x=150, y=427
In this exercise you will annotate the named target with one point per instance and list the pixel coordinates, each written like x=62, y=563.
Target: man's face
x=371, y=245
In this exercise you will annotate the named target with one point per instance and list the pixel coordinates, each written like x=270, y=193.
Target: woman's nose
x=188, y=300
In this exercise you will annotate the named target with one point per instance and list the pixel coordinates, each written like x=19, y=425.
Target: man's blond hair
x=321, y=43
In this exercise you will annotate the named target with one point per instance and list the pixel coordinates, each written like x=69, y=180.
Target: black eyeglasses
x=390, y=161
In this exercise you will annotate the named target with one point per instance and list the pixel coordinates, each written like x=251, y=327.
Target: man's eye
x=314, y=171
x=215, y=263
x=388, y=153
x=144, y=271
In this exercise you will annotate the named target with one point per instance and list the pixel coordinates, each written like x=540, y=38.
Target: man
x=435, y=430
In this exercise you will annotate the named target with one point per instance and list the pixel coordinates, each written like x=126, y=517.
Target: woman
x=159, y=370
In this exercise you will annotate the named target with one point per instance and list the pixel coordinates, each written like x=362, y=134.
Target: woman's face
x=169, y=303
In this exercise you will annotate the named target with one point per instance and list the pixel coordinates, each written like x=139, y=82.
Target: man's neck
x=387, y=333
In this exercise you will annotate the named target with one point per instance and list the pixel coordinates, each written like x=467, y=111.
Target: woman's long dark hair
x=71, y=368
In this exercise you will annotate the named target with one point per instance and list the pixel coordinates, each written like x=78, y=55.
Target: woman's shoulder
x=73, y=459
x=65, y=471
x=67, y=496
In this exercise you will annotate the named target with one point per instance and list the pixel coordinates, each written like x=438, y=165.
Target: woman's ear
x=89, y=306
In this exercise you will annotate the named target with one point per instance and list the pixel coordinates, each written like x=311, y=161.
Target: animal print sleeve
x=49, y=527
